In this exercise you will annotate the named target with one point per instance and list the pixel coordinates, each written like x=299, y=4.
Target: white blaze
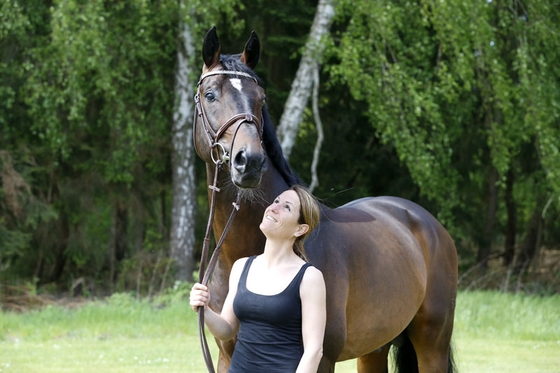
x=236, y=83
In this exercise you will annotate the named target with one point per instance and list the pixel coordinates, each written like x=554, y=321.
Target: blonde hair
x=309, y=213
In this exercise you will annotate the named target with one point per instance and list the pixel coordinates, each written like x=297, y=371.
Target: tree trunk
x=319, y=126
x=301, y=86
x=485, y=247
x=121, y=232
x=182, y=235
x=118, y=245
x=511, y=227
x=528, y=247
x=59, y=251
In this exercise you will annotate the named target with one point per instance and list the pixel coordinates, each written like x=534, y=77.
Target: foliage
x=445, y=103
x=86, y=109
x=459, y=89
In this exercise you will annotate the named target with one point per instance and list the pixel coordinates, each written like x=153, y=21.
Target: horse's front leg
x=375, y=362
x=224, y=358
x=326, y=365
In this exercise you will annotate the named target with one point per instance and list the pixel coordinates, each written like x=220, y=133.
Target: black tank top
x=269, y=338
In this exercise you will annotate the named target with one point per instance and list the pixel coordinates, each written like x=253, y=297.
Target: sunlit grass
x=120, y=315
x=508, y=316
x=494, y=333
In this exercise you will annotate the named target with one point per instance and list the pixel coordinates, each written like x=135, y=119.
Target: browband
x=225, y=72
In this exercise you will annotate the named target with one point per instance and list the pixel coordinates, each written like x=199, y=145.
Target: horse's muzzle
x=248, y=168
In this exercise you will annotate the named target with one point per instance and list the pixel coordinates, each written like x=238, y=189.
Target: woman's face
x=281, y=217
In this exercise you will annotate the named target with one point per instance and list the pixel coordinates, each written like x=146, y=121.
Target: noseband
x=237, y=120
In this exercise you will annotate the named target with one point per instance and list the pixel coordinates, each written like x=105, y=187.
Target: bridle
x=237, y=120
x=213, y=140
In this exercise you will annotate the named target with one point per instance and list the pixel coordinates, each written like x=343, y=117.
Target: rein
x=213, y=138
x=205, y=274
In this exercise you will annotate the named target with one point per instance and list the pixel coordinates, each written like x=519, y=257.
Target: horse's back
x=404, y=217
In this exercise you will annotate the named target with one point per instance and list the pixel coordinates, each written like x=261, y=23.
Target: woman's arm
x=313, y=319
x=224, y=325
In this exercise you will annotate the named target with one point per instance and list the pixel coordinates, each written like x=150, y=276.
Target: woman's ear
x=301, y=230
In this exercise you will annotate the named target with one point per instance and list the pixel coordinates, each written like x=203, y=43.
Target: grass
x=494, y=333
x=497, y=332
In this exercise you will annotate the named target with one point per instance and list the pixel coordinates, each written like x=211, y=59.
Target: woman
x=276, y=301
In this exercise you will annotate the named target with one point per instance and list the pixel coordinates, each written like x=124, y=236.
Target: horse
x=390, y=267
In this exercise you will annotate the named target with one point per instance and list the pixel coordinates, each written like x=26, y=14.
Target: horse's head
x=228, y=120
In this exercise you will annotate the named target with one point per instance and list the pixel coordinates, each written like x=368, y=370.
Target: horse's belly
x=383, y=300
x=366, y=334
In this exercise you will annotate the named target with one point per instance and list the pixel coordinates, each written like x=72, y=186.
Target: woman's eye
x=210, y=96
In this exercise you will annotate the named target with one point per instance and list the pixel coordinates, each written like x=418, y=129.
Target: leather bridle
x=213, y=140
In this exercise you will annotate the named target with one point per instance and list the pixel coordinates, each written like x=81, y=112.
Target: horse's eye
x=210, y=96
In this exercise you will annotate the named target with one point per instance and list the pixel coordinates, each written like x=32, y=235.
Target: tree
x=303, y=81
x=22, y=209
x=93, y=84
x=458, y=88
x=454, y=105
x=183, y=215
x=183, y=210
x=94, y=98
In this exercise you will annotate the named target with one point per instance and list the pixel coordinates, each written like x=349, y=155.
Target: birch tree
x=183, y=210
x=182, y=238
x=303, y=81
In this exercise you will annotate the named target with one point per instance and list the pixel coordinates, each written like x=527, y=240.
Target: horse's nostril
x=240, y=161
x=249, y=162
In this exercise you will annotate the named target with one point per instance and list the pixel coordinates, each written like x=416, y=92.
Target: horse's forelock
x=232, y=62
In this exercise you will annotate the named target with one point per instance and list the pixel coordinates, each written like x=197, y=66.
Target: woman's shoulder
x=313, y=285
x=313, y=276
x=238, y=265
x=241, y=261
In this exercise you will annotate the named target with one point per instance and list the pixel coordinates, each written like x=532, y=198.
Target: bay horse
x=390, y=267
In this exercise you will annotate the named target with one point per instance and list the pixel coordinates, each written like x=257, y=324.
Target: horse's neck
x=244, y=237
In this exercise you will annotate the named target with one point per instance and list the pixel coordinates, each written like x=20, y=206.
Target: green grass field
x=494, y=333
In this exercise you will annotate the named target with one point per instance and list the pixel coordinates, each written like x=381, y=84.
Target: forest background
x=453, y=104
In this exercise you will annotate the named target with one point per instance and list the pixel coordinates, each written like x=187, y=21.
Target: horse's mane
x=270, y=140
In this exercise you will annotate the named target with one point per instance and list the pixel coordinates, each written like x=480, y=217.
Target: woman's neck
x=278, y=253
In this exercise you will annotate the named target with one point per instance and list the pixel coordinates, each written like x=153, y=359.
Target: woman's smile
x=271, y=218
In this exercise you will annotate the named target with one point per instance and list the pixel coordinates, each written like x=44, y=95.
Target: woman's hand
x=199, y=296
x=223, y=325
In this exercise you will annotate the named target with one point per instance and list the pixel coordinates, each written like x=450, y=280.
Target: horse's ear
x=252, y=51
x=211, y=48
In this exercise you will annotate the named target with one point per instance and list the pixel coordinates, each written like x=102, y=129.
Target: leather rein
x=216, y=147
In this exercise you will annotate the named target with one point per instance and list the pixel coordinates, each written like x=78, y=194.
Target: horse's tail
x=406, y=361
x=405, y=357
x=451, y=366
